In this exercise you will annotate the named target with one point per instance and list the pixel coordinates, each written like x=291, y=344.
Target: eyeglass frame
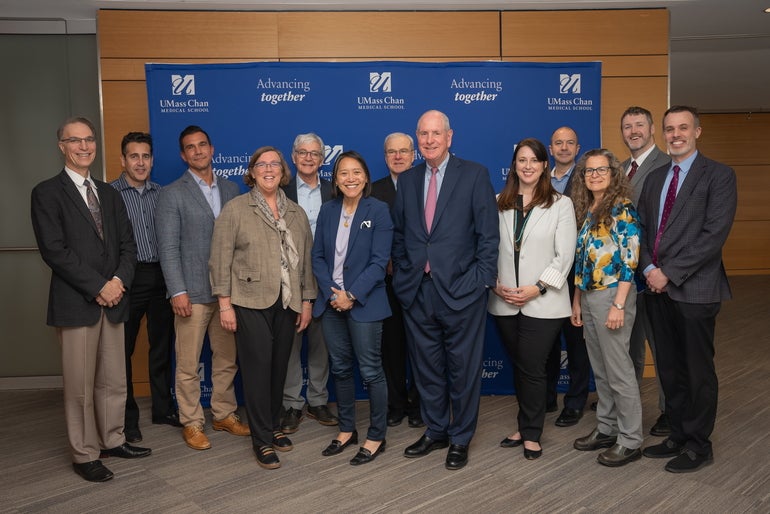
x=78, y=140
x=597, y=171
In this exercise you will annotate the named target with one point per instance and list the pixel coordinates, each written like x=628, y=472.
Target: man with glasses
x=84, y=235
x=399, y=156
x=309, y=190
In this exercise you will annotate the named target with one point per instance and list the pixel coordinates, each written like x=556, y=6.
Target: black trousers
x=528, y=342
x=147, y=297
x=684, y=336
x=401, y=399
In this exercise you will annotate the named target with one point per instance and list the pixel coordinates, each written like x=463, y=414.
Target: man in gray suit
x=184, y=222
x=639, y=136
x=686, y=210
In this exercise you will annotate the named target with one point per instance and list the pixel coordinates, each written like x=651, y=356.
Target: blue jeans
x=346, y=339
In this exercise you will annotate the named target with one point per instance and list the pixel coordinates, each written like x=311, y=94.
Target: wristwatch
x=541, y=287
x=350, y=296
x=618, y=306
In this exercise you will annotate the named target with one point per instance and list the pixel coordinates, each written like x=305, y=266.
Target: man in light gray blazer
x=639, y=136
x=184, y=223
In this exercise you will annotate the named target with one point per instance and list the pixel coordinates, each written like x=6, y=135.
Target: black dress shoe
x=424, y=446
x=363, y=456
x=126, y=451
x=322, y=414
x=290, y=420
x=532, y=454
x=594, y=441
x=456, y=457
x=93, y=471
x=415, y=421
x=568, y=417
x=170, y=419
x=689, y=461
x=662, y=427
x=619, y=455
x=133, y=435
x=511, y=443
x=337, y=446
x=395, y=417
x=664, y=450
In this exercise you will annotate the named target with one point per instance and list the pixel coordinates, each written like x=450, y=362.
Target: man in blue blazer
x=441, y=271
x=686, y=210
x=84, y=235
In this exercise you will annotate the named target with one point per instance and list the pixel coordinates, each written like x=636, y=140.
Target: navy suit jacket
x=463, y=243
x=81, y=262
x=368, y=252
x=291, y=189
x=385, y=190
x=690, y=249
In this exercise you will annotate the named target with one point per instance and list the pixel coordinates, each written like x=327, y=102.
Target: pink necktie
x=634, y=167
x=667, y=206
x=430, y=206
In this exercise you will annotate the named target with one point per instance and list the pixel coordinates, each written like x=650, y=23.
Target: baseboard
x=17, y=383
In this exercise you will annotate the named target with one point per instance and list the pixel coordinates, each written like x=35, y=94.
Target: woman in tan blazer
x=531, y=300
x=262, y=274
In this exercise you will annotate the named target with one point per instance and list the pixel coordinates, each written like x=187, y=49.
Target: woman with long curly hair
x=605, y=304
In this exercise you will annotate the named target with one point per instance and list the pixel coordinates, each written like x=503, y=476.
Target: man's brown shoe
x=232, y=424
x=195, y=438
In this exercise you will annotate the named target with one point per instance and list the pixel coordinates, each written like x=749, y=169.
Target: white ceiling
x=720, y=49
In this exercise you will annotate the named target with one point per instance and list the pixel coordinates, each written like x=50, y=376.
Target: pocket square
x=366, y=223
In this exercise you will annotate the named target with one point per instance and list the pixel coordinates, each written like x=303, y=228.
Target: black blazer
x=81, y=262
x=385, y=190
x=291, y=190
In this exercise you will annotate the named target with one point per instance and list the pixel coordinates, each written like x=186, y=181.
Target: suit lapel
x=688, y=186
x=508, y=220
x=451, y=177
x=361, y=215
x=74, y=195
x=534, y=218
x=196, y=194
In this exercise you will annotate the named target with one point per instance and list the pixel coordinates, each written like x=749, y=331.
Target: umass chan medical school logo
x=569, y=83
x=569, y=99
x=183, y=87
x=380, y=87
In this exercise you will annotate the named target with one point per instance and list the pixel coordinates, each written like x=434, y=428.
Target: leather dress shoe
x=594, y=441
x=415, y=421
x=126, y=451
x=568, y=417
x=337, y=446
x=133, y=435
x=323, y=415
x=363, y=456
x=290, y=420
x=662, y=427
x=619, y=455
x=663, y=450
x=195, y=438
x=281, y=442
x=689, y=461
x=232, y=424
x=594, y=405
x=170, y=419
x=93, y=471
x=267, y=458
x=511, y=443
x=424, y=446
x=395, y=417
x=532, y=454
x=456, y=457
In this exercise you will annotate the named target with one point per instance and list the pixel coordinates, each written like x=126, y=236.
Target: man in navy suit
x=686, y=210
x=84, y=235
x=442, y=268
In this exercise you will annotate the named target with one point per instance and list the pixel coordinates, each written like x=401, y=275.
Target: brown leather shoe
x=195, y=438
x=232, y=424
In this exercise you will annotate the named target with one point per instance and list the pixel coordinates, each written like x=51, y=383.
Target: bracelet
x=226, y=309
x=618, y=306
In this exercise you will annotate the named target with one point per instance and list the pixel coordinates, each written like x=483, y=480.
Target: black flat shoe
x=533, y=454
x=337, y=446
x=456, y=457
x=424, y=446
x=281, y=442
x=511, y=443
x=363, y=456
x=267, y=458
x=93, y=471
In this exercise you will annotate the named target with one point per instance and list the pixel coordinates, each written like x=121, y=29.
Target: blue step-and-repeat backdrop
x=353, y=106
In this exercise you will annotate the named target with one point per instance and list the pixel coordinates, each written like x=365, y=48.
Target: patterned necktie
x=430, y=205
x=93, y=206
x=634, y=167
x=667, y=206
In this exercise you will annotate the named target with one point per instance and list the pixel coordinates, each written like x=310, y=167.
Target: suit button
x=248, y=279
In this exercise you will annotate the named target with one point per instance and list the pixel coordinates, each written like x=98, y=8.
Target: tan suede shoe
x=232, y=424
x=195, y=438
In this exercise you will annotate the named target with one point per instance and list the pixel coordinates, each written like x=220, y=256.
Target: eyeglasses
x=265, y=165
x=304, y=153
x=403, y=151
x=601, y=171
x=79, y=140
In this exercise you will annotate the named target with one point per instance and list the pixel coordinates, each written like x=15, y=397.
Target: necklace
x=346, y=218
x=518, y=232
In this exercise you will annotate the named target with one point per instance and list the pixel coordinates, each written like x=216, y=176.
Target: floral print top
x=606, y=256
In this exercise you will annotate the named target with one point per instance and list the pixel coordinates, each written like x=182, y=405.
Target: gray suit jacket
x=184, y=224
x=690, y=249
x=655, y=160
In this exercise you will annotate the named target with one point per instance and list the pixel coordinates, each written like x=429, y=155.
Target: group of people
x=372, y=272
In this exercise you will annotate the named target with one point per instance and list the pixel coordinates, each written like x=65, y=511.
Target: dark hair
x=135, y=137
x=544, y=194
x=357, y=156
x=74, y=119
x=285, y=175
x=191, y=129
x=618, y=190
x=683, y=108
x=634, y=111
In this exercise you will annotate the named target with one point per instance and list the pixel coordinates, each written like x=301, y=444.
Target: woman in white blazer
x=531, y=300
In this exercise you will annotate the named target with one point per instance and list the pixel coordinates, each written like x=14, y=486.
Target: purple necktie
x=634, y=167
x=93, y=206
x=430, y=206
x=667, y=206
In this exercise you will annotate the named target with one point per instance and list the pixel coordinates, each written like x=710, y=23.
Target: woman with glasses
x=605, y=302
x=261, y=273
x=531, y=300
x=352, y=244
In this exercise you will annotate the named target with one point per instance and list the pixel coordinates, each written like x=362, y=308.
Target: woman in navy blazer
x=351, y=250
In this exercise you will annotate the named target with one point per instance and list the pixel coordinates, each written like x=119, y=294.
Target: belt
x=148, y=265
